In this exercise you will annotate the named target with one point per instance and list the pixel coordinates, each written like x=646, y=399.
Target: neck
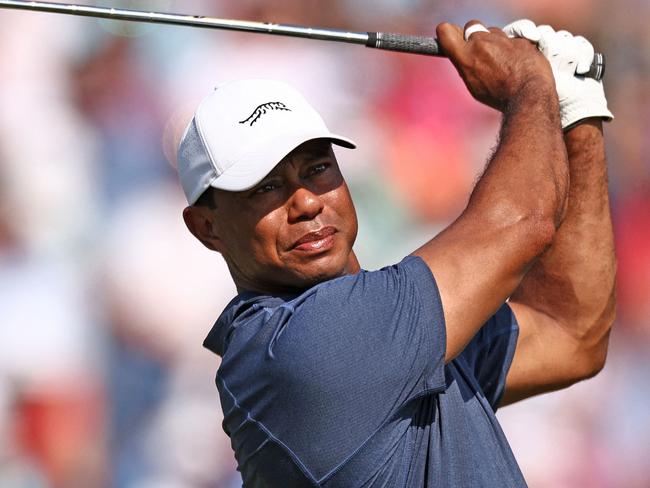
x=353, y=266
x=275, y=288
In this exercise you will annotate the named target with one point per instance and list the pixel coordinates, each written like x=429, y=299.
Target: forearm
x=528, y=172
x=573, y=282
x=565, y=303
x=516, y=206
x=510, y=220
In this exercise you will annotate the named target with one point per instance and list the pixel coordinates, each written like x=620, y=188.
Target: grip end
x=597, y=68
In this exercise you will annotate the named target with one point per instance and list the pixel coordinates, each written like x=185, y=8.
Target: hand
x=496, y=70
x=580, y=97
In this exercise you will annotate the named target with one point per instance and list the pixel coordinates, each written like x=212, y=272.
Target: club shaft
x=189, y=20
x=379, y=40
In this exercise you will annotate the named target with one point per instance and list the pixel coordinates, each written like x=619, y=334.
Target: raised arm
x=518, y=203
x=566, y=303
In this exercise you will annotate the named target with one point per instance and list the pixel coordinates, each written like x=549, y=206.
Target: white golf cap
x=241, y=131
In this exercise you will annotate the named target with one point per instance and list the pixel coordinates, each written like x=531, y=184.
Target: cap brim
x=260, y=161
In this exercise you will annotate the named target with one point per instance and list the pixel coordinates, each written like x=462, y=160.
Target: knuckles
x=493, y=66
x=497, y=67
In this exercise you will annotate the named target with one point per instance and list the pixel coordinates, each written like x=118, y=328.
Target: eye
x=266, y=187
x=317, y=169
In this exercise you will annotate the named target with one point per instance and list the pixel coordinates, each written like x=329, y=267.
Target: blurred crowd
x=105, y=297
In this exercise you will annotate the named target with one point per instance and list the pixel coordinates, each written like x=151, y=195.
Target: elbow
x=536, y=214
x=533, y=232
x=592, y=359
x=541, y=233
x=525, y=220
x=593, y=364
x=587, y=345
x=596, y=344
x=533, y=217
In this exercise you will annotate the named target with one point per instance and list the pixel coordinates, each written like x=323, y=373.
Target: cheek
x=264, y=242
x=344, y=207
x=249, y=239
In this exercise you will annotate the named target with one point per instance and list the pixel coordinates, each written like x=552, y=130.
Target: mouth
x=318, y=241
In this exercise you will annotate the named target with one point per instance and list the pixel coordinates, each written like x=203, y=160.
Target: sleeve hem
x=509, y=356
x=433, y=320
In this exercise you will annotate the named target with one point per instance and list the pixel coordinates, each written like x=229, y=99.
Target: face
x=294, y=229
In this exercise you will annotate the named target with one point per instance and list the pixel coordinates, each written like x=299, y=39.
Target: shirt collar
x=239, y=308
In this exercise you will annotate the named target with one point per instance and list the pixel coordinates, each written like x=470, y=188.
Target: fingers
x=450, y=37
x=454, y=40
x=568, y=53
x=547, y=42
x=497, y=31
x=545, y=30
x=473, y=27
x=585, y=54
x=523, y=28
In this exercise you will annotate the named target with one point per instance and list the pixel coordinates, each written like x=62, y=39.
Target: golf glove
x=569, y=55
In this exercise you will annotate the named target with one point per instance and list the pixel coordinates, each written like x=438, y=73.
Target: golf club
x=379, y=40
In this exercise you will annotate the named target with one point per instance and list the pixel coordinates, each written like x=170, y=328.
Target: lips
x=319, y=240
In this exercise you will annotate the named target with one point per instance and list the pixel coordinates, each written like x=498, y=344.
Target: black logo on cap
x=262, y=109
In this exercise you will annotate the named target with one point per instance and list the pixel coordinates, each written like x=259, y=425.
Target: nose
x=304, y=205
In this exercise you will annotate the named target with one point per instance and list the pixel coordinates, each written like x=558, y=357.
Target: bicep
x=478, y=263
x=547, y=357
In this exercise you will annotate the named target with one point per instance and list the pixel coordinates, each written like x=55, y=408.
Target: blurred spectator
x=123, y=106
x=162, y=290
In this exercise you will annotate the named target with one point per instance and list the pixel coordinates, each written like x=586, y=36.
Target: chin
x=324, y=269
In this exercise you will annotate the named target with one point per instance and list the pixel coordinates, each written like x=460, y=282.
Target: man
x=338, y=377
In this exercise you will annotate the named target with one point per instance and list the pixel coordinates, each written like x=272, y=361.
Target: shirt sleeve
x=351, y=353
x=489, y=354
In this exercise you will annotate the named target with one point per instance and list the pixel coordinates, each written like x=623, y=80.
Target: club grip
x=404, y=43
x=429, y=46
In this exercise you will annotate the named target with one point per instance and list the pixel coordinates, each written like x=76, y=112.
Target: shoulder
x=353, y=315
x=377, y=288
x=401, y=292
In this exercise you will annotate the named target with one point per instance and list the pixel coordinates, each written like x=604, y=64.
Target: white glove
x=568, y=55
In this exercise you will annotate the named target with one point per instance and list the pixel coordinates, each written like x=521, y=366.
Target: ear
x=200, y=222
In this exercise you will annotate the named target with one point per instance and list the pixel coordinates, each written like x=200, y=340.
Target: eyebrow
x=313, y=152
x=319, y=150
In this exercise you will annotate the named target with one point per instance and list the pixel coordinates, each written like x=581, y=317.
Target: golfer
x=334, y=376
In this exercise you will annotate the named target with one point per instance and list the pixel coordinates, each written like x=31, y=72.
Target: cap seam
x=199, y=129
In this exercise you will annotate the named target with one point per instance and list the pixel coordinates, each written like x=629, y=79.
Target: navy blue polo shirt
x=345, y=385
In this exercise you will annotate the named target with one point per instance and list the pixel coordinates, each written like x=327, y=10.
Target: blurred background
x=105, y=297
